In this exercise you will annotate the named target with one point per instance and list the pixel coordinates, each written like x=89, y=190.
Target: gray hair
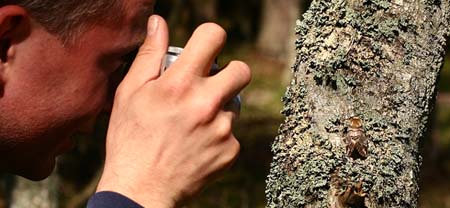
x=68, y=18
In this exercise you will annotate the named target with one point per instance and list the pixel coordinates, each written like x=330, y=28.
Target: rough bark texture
x=378, y=60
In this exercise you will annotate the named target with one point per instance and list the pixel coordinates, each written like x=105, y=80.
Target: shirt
x=109, y=199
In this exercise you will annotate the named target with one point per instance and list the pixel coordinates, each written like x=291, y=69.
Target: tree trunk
x=278, y=16
x=358, y=105
x=203, y=10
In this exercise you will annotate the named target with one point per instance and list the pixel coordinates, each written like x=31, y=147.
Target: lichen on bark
x=377, y=60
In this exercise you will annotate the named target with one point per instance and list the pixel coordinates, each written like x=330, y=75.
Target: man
x=168, y=134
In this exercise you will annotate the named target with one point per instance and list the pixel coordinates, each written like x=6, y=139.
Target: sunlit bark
x=372, y=60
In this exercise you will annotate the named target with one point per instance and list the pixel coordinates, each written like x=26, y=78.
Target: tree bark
x=369, y=62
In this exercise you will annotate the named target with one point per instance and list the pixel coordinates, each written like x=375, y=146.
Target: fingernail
x=153, y=23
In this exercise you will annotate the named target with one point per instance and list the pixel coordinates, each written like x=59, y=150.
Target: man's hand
x=169, y=134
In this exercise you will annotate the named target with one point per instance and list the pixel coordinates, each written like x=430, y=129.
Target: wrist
x=146, y=194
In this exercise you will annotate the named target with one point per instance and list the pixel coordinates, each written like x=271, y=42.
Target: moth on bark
x=356, y=139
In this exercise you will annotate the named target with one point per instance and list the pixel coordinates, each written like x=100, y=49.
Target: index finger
x=202, y=48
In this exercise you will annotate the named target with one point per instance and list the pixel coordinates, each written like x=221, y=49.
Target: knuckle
x=224, y=130
x=177, y=86
x=233, y=150
x=213, y=102
x=236, y=146
x=205, y=109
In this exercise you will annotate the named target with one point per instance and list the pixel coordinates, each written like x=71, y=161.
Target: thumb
x=147, y=65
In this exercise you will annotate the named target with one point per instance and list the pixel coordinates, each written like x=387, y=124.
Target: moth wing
x=361, y=146
x=350, y=144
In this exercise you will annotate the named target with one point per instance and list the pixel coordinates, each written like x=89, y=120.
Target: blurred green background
x=260, y=33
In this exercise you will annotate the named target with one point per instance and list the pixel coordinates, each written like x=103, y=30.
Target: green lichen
x=375, y=59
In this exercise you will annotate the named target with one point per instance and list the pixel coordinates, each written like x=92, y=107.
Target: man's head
x=56, y=60
x=67, y=18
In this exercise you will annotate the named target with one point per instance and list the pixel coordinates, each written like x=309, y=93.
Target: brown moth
x=355, y=139
x=354, y=196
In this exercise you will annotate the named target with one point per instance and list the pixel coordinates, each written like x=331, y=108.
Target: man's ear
x=14, y=27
